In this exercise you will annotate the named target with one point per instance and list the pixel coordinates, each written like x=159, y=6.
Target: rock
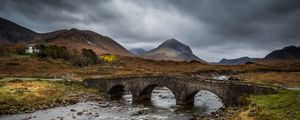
x=220, y=112
x=60, y=118
x=26, y=118
x=234, y=78
x=96, y=115
x=79, y=113
x=89, y=113
x=72, y=110
x=142, y=112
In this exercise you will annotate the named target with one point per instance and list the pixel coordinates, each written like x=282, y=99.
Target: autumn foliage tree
x=85, y=58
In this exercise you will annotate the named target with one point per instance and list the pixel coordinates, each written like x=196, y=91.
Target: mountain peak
x=172, y=49
x=74, y=29
x=173, y=42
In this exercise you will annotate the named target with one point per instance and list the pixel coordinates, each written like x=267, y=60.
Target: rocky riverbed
x=162, y=107
x=72, y=99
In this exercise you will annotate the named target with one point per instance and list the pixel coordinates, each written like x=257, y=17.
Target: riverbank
x=25, y=96
x=284, y=105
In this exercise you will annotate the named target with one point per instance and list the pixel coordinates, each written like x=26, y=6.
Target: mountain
x=138, y=51
x=290, y=52
x=237, y=61
x=11, y=33
x=286, y=55
x=78, y=39
x=172, y=50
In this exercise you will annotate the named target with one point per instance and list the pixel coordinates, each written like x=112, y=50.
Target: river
x=161, y=107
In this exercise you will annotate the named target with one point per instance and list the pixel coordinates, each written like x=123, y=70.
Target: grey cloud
x=213, y=28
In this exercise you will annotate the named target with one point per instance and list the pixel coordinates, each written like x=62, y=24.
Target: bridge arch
x=190, y=99
x=146, y=91
x=116, y=91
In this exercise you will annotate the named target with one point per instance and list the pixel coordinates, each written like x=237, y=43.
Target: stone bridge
x=184, y=88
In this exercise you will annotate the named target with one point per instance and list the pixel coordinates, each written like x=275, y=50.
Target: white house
x=31, y=50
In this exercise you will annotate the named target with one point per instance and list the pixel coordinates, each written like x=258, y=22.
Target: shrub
x=21, y=51
x=53, y=51
x=78, y=61
x=87, y=56
x=90, y=56
x=109, y=58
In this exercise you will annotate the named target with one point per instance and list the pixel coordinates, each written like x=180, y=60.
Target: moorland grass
x=285, y=105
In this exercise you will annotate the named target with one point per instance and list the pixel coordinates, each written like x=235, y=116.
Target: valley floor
x=18, y=96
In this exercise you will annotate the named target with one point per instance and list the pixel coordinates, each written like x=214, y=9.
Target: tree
x=90, y=56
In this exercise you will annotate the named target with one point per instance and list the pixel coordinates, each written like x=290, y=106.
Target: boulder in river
x=79, y=113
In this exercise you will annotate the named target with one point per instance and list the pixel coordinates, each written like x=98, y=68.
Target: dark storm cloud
x=213, y=28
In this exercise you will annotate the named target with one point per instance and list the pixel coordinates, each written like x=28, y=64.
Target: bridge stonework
x=184, y=88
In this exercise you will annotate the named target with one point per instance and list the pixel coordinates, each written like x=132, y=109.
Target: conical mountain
x=172, y=50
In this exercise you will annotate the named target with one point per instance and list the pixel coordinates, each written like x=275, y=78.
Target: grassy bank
x=17, y=96
x=285, y=105
x=286, y=79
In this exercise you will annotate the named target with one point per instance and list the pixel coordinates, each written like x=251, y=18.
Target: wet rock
x=233, y=78
x=60, y=118
x=79, y=113
x=28, y=118
x=142, y=112
x=72, y=110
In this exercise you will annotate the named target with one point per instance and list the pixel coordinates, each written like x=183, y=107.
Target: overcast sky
x=214, y=29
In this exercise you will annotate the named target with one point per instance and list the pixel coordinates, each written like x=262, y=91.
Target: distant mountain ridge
x=172, y=50
x=12, y=33
x=138, y=51
x=237, y=61
x=290, y=52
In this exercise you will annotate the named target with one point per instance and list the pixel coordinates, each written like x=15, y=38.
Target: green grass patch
x=281, y=106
